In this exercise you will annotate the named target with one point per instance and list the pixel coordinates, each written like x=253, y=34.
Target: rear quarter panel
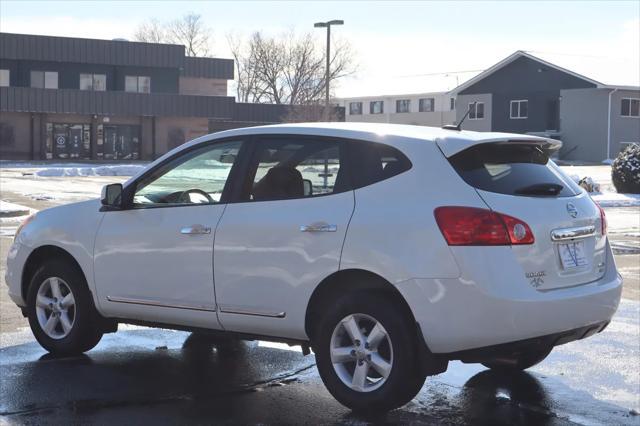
x=393, y=231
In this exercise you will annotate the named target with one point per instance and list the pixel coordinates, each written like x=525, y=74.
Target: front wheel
x=366, y=352
x=60, y=310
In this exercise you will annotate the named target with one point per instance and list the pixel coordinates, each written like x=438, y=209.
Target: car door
x=282, y=235
x=154, y=259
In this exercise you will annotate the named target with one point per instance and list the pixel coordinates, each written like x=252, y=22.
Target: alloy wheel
x=361, y=352
x=55, y=308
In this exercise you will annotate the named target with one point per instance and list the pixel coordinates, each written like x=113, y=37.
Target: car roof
x=450, y=142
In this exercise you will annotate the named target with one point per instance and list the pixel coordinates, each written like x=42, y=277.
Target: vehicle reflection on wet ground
x=168, y=377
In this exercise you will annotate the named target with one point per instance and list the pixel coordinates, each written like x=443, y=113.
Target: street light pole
x=327, y=25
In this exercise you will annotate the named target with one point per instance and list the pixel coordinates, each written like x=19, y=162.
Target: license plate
x=572, y=255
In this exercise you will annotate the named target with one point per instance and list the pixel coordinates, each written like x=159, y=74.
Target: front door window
x=197, y=177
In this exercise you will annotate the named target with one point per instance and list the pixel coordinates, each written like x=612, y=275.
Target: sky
x=400, y=47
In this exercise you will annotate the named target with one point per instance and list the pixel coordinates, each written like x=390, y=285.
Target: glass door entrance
x=119, y=142
x=68, y=141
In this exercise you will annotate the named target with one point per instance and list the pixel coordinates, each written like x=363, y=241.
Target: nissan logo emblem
x=572, y=210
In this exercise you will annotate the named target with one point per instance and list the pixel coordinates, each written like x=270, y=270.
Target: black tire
x=85, y=332
x=405, y=378
x=519, y=362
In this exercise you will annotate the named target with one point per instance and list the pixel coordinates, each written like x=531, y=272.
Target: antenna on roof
x=457, y=126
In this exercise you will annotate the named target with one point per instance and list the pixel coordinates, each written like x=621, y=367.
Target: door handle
x=318, y=227
x=195, y=230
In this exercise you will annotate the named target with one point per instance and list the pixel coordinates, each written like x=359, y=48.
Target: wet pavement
x=167, y=377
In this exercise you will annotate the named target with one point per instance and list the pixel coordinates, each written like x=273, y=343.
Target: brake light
x=603, y=220
x=470, y=226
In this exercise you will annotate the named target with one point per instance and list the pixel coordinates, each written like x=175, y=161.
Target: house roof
x=509, y=59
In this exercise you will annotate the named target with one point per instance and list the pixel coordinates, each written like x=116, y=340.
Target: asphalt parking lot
x=167, y=377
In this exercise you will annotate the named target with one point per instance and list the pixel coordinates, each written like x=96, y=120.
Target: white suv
x=388, y=249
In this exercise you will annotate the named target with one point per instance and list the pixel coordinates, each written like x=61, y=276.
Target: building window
x=476, y=111
x=630, y=107
x=519, y=109
x=355, y=108
x=426, y=105
x=376, y=107
x=138, y=84
x=4, y=78
x=93, y=82
x=403, y=105
x=44, y=79
x=452, y=103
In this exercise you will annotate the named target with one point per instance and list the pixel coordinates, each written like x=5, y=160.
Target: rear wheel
x=518, y=362
x=366, y=353
x=60, y=310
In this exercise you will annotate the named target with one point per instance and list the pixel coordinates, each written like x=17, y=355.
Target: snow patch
x=613, y=199
x=11, y=216
x=7, y=208
x=111, y=170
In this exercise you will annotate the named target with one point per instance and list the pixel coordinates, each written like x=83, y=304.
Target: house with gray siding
x=525, y=94
x=600, y=122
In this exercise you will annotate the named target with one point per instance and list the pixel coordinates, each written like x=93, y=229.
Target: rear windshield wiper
x=540, y=189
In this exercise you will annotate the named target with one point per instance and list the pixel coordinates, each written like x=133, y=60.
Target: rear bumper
x=496, y=307
x=524, y=346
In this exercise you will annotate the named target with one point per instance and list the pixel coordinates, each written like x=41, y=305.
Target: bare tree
x=288, y=69
x=151, y=31
x=249, y=87
x=189, y=30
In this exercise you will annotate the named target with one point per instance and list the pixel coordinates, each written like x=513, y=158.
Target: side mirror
x=112, y=195
x=308, y=187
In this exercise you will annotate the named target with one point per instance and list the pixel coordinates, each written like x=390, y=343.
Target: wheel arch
x=343, y=282
x=40, y=255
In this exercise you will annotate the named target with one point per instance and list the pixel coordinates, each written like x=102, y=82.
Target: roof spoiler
x=452, y=145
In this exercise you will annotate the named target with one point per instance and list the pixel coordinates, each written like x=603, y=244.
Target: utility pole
x=327, y=25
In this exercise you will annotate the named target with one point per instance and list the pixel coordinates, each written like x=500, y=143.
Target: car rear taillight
x=603, y=220
x=470, y=226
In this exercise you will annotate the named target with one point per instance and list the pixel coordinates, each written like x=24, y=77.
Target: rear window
x=512, y=169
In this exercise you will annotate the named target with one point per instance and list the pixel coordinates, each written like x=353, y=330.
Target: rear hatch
x=518, y=179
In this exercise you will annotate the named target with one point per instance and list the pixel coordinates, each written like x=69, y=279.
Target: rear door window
x=292, y=167
x=513, y=169
x=374, y=162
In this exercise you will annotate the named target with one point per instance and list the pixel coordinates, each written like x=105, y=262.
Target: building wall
x=15, y=135
x=172, y=132
x=203, y=86
x=525, y=78
x=584, y=124
x=623, y=129
x=187, y=94
x=479, y=125
x=163, y=80
x=441, y=115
